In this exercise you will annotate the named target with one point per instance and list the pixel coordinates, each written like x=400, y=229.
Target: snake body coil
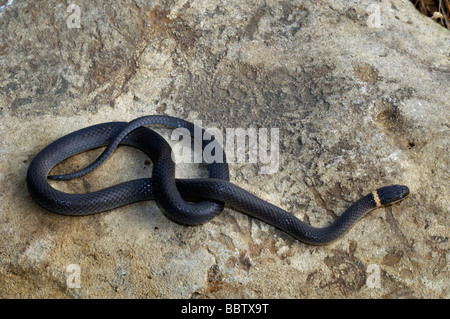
x=187, y=201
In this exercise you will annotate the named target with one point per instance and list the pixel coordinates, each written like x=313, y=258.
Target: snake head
x=391, y=194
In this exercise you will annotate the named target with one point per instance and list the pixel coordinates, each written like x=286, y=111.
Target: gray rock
x=359, y=92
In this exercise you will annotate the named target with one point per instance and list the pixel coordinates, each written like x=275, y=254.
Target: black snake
x=186, y=201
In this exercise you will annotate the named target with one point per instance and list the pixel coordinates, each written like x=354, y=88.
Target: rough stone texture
x=357, y=106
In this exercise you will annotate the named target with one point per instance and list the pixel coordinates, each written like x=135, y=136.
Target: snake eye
x=392, y=194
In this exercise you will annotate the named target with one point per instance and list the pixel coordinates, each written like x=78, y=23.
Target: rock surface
x=358, y=90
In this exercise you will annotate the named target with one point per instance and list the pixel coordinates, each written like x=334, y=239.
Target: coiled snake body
x=187, y=201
